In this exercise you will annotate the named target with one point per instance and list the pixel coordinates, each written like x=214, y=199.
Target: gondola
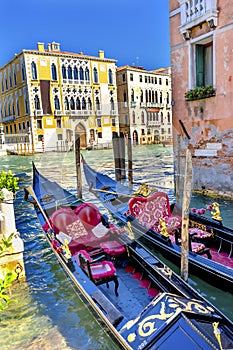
x=210, y=248
x=144, y=304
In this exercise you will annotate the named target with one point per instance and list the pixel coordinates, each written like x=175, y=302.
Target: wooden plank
x=185, y=216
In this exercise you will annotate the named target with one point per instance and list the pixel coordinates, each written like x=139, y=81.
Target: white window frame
x=192, y=57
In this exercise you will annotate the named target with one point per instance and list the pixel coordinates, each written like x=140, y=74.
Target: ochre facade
x=48, y=96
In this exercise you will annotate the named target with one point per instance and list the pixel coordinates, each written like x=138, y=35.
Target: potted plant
x=200, y=92
x=9, y=182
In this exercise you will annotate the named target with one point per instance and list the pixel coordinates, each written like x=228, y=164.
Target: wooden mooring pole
x=185, y=215
x=130, y=162
x=78, y=166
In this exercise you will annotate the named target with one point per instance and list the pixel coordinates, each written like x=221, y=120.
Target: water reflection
x=49, y=313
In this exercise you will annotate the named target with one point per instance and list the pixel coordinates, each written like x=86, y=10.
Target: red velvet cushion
x=89, y=215
x=61, y=218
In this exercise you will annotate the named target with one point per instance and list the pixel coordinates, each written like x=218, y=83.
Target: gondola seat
x=198, y=248
x=113, y=248
x=80, y=225
x=199, y=235
x=99, y=272
x=149, y=210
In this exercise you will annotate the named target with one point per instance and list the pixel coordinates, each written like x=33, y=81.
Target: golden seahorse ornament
x=217, y=333
x=216, y=212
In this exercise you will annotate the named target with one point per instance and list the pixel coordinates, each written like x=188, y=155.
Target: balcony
x=113, y=112
x=38, y=112
x=57, y=112
x=9, y=118
x=194, y=13
x=153, y=123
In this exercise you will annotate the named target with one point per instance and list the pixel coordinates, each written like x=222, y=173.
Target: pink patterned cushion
x=76, y=230
x=200, y=233
x=197, y=247
x=112, y=248
x=148, y=211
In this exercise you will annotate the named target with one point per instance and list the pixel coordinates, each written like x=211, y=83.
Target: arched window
x=156, y=96
x=54, y=72
x=146, y=96
x=64, y=76
x=110, y=78
x=10, y=81
x=56, y=102
x=168, y=99
x=13, y=108
x=141, y=96
x=66, y=103
x=161, y=117
x=153, y=96
x=133, y=118
x=70, y=73
x=23, y=73
x=72, y=105
x=84, y=106
x=87, y=74
x=161, y=97
x=149, y=96
x=17, y=107
x=97, y=102
x=81, y=75
x=26, y=102
x=168, y=117
x=37, y=102
x=15, y=78
x=95, y=73
x=142, y=118
x=75, y=73
x=89, y=104
x=6, y=84
x=132, y=95
x=124, y=97
x=78, y=106
x=112, y=103
x=34, y=70
x=9, y=109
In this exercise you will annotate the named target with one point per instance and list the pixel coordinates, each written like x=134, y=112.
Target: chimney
x=101, y=54
x=40, y=47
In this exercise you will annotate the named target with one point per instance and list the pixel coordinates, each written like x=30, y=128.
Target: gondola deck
x=144, y=304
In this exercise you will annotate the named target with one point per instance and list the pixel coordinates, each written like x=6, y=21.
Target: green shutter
x=199, y=65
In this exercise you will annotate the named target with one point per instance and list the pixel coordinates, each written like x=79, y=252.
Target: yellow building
x=47, y=96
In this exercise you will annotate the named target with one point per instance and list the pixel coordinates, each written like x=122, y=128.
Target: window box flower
x=200, y=92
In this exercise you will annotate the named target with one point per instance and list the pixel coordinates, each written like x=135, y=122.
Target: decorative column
x=12, y=247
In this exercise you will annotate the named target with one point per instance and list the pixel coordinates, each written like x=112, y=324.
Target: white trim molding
x=194, y=13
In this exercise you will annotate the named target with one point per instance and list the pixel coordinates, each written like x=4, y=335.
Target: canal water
x=48, y=313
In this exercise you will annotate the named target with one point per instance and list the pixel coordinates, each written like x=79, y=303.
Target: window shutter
x=199, y=65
